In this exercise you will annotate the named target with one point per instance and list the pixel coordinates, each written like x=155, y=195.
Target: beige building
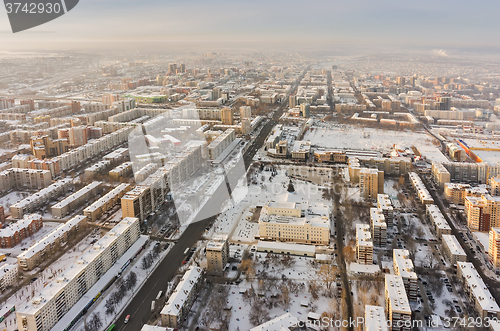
x=385, y=204
x=123, y=170
x=403, y=266
x=397, y=306
x=106, y=203
x=290, y=218
x=440, y=174
x=371, y=182
x=453, y=249
x=378, y=227
x=24, y=178
x=41, y=250
x=217, y=255
x=423, y=194
x=482, y=213
x=75, y=200
x=495, y=185
x=179, y=303
x=364, y=244
x=494, y=247
x=455, y=192
x=477, y=291
x=8, y=275
x=51, y=304
x=441, y=225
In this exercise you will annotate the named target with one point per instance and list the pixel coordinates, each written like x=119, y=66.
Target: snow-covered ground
x=12, y=198
x=30, y=241
x=341, y=136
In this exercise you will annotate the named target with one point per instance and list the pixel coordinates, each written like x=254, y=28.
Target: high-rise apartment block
x=364, y=244
x=217, y=254
x=378, y=227
x=397, y=306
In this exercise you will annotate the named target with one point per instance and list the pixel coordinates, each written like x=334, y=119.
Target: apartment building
x=21, y=160
x=394, y=166
x=57, y=297
x=40, y=198
x=455, y=193
x=44, y=147
x=477, y=291
x=364, y=244
x=121, y=171
x=385, y=204
x=36, y=254
x=245, y=112
x=97, y=168
x=217, y=254
x=482, y=212
x=397, y=306
x=106, y=203
x=8, y=275
x=14, y=233
x=403, y=266
x=441, y=226
x=24, y=178
x=423, y=195
x=179, y=303
x=141, y=174
x=371, y=182
x=494, y=246
x=289, y=218
x=375, y=319
x=440, y=174
x=453, y=249
x=219, y=144
x=378, y=227
x=76, y=199
x=495, y=185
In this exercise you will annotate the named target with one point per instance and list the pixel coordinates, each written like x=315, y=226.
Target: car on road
x=126, y=319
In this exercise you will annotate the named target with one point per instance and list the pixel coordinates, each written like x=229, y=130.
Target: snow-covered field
x=353, y=137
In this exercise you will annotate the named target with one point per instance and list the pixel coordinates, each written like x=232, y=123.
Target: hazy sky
x=437, y=23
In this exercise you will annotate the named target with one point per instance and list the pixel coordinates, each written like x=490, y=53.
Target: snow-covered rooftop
x=477, y=286
x=395, y=289
x=182, y=291
x=453, y=245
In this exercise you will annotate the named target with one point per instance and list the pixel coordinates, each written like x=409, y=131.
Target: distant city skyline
x=363, y=23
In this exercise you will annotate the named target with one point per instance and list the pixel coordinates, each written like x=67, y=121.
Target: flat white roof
x=363, y=235
x=377, y=217
x=48, y=191
x=384, y=201
x=453, y=245
x=181, y=292
x=476, y=284
x=375, y=318
x=279, y=246
x=404, y=264
x=437, y=217
x=21, y=224
x=397, y=294
x=52, y=236
x=58, y=284
x=280, y=323
x=109, y=196
x=420, y=187
x=77, y=195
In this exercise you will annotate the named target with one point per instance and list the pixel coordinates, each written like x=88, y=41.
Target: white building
x=441, y=226
x=220, y=143
x=364, y=244
x=70, y=203
x=397, y=306
x=179, y=303
x=422, y=192
x=403, y=266
x=385, y=203
x=477, y=291
x=105, y=203
x=375, y=319
x=57, y=297
x=453, y=249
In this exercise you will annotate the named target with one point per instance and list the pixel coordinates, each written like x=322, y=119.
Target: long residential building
x=482, y=212
x=36, y=200
x=220, y=143
x=397, y=306
x=105, y=203
x=24, y=178
x=441, y=226
x=403, y=266
x=57, y=297
x=121, y=171
x=455, y=192
x=12, y=235
x=364, y=244
x=152, y=192
x=477, y=291
x=291, y=219
x=375, y=319
x=453, y=249
x=423, y=194
x=179, y=303
x=76, y=199
x=378, y=227
x=35, y=255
